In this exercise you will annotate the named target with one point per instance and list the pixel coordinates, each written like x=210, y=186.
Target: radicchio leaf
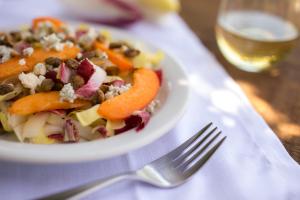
x=20, y=46
x=94, y=82
x=138, y=121
x=80, y=33
x=58, y=112
x=131, y=11
x=86, y=69
x=159, y=74
x=100, y=129
x=57, y=136
x=53, y=76
x=118, y=83
x=64, y=73
x=71, y=133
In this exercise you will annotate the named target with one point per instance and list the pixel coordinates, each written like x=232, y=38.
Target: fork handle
x=87, y=189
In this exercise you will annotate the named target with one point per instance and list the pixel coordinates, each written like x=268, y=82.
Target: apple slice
x=144, y=90
x=118, y=59
x=43, y=102
x=12, y=66
x=55, y=22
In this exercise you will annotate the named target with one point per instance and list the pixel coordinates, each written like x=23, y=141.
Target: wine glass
x=255, y=34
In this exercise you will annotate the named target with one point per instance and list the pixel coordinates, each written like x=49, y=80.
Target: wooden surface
x=275, y=95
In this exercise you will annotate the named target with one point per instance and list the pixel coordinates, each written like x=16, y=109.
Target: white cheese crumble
x=79, y=55
x=69, y=44
x=44, y=24
x=88, y=38
x=40, y=69
x=61, y=35
x=152, y=106
x=69, y=30
x=43, y=29
x=116, y=90
x=22, y=61
x=30, y=81
x=103, y=56
x=52, y=42
x=40, y=33
x=59, y=46
x=25, y=34
x=67, y=93
x=5, y=53
x=28, y=51
x=56, y=69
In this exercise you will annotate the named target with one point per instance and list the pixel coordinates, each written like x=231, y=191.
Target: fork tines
x=193, y=153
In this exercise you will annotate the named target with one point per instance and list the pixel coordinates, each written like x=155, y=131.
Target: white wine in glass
x=253, y=40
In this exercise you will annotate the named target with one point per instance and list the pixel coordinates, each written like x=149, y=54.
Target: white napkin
x=251, y=164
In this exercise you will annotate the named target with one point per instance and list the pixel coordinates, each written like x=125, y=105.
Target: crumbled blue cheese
x=56, y=69
x=59, y=46
x=25, y=34
x=43, y=29
x=69, y=44
x=52, y=42
x=61, y=35
x=45, y=24
x=22, y=61
x=67, y=93
x=69, y=30
x=116, y=90
x=88, y=38
x=40, y=69
x=5, y=53
x=79, y=55
x=152, y=106
x=28, y=51
x=30, y=81
x=103, y=56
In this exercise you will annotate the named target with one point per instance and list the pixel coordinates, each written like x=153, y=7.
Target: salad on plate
x=67, y=84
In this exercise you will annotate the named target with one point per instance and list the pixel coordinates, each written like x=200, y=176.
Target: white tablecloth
x=252, y=163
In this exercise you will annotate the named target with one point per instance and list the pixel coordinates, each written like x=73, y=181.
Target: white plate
x=173, y=96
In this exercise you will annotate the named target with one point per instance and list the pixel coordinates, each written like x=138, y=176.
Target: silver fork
x=168, y=171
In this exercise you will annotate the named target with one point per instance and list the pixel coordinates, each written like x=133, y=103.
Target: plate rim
x=14, y=156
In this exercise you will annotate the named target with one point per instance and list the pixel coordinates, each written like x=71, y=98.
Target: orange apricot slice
x=13, y=67
x=144, y=90
x=118, y=59
x=56, y=22
x=43, y=102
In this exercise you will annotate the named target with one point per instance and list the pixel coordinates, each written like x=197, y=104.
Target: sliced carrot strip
x=144, y=90
x=117, y=58
x=12, y=66
x=56, y=22
x=43, y=102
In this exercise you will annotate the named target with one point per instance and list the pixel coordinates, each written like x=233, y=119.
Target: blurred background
x=275, y=94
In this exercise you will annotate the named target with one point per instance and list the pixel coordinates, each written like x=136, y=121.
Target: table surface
x=275, y=94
